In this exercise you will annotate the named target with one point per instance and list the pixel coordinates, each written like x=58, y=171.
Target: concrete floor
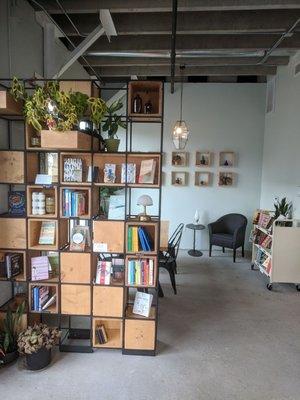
x=224, y=336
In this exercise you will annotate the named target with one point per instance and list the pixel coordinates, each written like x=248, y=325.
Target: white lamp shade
x=145, y=200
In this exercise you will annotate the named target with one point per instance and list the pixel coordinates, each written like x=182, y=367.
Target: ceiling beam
x=189, y=71
x=215, y=22
x=137, y=6
x=188, y=42
x=208, y=61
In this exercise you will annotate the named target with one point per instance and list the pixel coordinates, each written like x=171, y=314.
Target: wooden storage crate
x=34, y=228
x=133, y=257
x=51, y=191
x=147, y=90
x=67, y=140
x=152, y=230
x=12, y=166
x=75, y=299
x=86, y=87
x=108, y=301
x=33, y=166
x=8, y=106
x=87, y=191
x=75, y=267
x=53, y=289
x=114, y=331
x=139, y=334
x=12, y=233
x=100, y=159
x=109, y=233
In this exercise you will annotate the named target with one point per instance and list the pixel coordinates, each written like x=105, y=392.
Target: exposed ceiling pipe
x=173, y=43
x=179, y=54
x=286, y=34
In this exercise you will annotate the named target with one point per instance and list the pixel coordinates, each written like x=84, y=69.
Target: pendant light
x=180, y=131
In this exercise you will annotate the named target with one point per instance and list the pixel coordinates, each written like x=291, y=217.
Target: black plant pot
x=10, y=357
x=38, y=360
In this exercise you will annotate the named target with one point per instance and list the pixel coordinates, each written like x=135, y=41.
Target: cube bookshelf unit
x=203, y=178
x=23, y=275
x=73, y=276
x=53, y=290
x=114, y=331
x=86, y=163
x=226, y=179
x=204, y=159
x=179, y=178
x=49, y=192
x=141, y=259
x=147, y=90
x=152, y=231
x=227, y=159
x=86, y=191
x=179, y=159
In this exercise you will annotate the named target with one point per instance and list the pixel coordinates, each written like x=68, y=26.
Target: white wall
x=220, y=117
x=281, y=161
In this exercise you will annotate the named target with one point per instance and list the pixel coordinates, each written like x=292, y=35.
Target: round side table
x=195, y=227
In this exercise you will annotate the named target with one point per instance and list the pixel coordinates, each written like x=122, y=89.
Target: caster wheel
x=269, y=286
x=298, y=288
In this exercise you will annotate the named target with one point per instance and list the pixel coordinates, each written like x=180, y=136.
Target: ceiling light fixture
x=180, y=130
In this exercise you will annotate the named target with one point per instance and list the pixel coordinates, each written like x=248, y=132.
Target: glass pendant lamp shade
x=180, y=135
x=180, y=130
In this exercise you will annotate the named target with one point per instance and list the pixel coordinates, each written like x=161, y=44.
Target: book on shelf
x=142, y=304
x=265, y=220
x=73, y=170
x=116, y=209
x=16, y=202
x=41, y=298
x=93, y=174
x=130, y=177
x=138, y=239
x=267, y=264
x=74, y=203
x=109, y=173
x=101, y=334
x=147, y=171
x=47, y=233
x=53, y=257
x=103, y=272
x=140, y=272
x=117, y=268
x=49, y=165
x=11, y=264
x=80, y=238
x=40, y=267
x=266, y=242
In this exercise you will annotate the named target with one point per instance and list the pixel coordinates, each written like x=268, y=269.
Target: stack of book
x=103, y=272
x=140, y=272
x=138, y=239
x=41, y=298
x=74, y=203
x=11, y=264
x=101, y=334
x=128, y=173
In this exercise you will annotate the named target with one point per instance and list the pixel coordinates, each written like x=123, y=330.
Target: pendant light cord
x=181, y=89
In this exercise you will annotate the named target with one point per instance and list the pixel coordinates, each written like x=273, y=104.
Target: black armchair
x=228, y=231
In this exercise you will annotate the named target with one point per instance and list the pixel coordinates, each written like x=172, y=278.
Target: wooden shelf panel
x=13, y=233
x=108, y=301
x=135, y=258
x=75, y=267
x=53, y=289
x=12, y=166
x=75, y=299
x=129, y=313
x=86, y=163
x=139, y=334
x=8, y=106
x=110, y=233
x=34, y=229
x=114, y=331
x=147, y=90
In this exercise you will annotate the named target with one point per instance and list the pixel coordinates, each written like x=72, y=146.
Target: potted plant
x=35, y=343
x=9, y=334
x=283, y=210
x=111, y=126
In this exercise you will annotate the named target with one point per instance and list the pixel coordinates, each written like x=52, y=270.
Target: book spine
x=151, y=272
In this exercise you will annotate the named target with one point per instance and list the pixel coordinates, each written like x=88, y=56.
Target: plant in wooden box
x=35, y=343
x=111, y=126
x=9, y=334
x=283, y=211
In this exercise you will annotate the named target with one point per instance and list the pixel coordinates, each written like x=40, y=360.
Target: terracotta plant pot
x=10, y=357
x=112, y=145
x=38, y=360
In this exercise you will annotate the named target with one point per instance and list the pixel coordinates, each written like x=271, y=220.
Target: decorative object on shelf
x=145, y=201
x=38, y=205
x=111, y=126
x=16, y=202
x=48, y=106
x=86, y=125
x=35, y=343
x=79, y=238
x=147, y=172
x=203, y=158
x=179, y=158
x=50, y=205
x=203, y=178
x=180, y=131
x=9, y=334
x=130, y=168
x=196, y=217
x=109, y=173
x=179, y=178
x=225, y=179
x=142, y=304
x=11, y=265
x=35, y=139
x=227, y=159
x=137, y=104
x=282, y=208
x=148, y=108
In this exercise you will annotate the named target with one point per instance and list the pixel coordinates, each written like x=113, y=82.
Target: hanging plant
x=97, y=108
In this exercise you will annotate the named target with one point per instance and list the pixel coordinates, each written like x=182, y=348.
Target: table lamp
x=144, y=201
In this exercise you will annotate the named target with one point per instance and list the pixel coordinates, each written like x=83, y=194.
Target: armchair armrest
x=239, y=234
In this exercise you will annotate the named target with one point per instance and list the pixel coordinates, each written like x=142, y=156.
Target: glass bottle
x=137, y=105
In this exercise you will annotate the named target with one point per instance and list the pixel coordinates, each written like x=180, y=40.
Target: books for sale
x=109, y=173
x=49, y=165
x=142, y=304
x=40, y=267
x=147, y=171
x=140, y=272
x=103, y=273
x=74, y=203
x=47, y=233
x=73, y=170
x=11, y=264
x=16, y=203
x=101, y=334
x=265, y=220
x=138, y=239
x=131, y=173
x=42, y=298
